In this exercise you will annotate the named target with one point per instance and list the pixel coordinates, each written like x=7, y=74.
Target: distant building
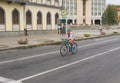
x=118, y=10
x=15, y=15
x=98, y=7
x=78, y=11
x=84, y=11
x=71, y=7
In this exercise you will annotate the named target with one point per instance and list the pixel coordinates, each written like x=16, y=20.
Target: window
x=49, y=2
x=48, y=18
x=28, y=17
x=15, y=17
x=56, y=0
x=2, y=16
x=75, y=12
x=75, y=1
x=39, y=18
x=56, y=18
x=63, y=1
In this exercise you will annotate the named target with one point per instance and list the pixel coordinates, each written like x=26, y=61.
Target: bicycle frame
x=69, y=47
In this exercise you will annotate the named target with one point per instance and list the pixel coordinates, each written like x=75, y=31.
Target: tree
x=109, y=16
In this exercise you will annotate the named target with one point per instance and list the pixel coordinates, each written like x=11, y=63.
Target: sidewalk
x=38, y=40
x=33, y=40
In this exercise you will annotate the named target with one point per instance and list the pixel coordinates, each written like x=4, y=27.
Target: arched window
x=39, y=18
x=2, y=16
x=56, y=18
x=15, y=16
x=28, y=17
x=48, y=18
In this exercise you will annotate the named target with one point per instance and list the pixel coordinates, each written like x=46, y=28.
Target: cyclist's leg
x=74, y=48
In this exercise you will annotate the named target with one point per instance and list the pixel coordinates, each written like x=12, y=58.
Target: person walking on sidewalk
x=59, y=29
x=62, y=28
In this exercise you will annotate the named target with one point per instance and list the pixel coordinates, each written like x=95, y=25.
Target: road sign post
x=64, y=15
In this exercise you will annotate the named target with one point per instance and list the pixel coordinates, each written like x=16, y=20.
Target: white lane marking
x=6, y=80
x=100, y=39
x=98, y=43
x=60, y=67
x=25, y=58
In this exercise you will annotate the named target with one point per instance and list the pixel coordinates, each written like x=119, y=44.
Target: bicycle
x=66, y=47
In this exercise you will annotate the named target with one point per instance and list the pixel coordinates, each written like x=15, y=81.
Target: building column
x=93, y=20
x=44, y=20
x=79, y=11
x=73, y=12
x=65, y=4
x=88, y=12
x=52, y=2
x=69, y=8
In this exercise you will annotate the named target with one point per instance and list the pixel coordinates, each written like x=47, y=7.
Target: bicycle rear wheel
x=63, y=50
x=74, y=48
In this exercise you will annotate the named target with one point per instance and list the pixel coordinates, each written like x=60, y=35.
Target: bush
x=115, y=32
x=86, y=35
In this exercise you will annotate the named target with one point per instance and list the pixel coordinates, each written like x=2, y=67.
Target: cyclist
x=70, y=36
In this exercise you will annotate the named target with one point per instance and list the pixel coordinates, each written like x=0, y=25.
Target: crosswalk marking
x=6, y=80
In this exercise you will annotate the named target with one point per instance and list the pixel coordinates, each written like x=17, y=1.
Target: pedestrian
x=58, y=27
x=62, y=31
x=62, y=28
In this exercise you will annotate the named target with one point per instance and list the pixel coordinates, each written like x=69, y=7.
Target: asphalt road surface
x=97, y=61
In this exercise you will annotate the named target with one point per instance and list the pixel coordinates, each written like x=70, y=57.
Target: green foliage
x=86, y=35
x=115, y=32
x=109, y=17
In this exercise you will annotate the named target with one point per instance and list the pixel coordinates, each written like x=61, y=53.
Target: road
x=97, y=61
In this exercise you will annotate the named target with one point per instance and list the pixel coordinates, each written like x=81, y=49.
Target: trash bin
x=25, y=31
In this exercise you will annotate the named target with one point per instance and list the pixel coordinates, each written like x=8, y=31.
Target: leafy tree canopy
x=109, y=16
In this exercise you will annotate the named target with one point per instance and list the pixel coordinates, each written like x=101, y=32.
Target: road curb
x=53, y=43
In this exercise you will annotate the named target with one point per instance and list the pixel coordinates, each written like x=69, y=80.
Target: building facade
x=43, y=14
x=71, y=10
x=11, y=16
x=118, y=13
x=85, y=11
x=15, y=15
x=78, y=11
x=98, y=7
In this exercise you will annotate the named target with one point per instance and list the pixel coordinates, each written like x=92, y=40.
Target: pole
x=66, y=24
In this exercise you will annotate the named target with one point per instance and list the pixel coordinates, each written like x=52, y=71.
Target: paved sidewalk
x=33, y=40
x=38, y=40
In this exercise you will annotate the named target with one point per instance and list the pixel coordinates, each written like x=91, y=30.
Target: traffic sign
x=64, y=13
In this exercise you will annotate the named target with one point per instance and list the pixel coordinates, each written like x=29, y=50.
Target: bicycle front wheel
x=74, y=48
x=63, y=50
